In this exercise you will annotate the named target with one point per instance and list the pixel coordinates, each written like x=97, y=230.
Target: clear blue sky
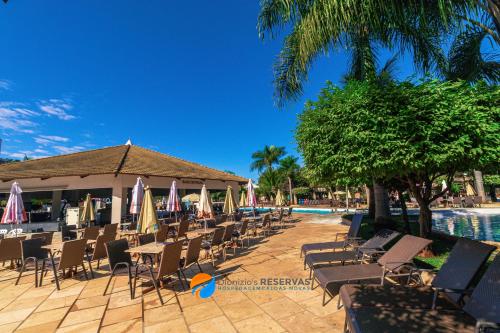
x=191, y=79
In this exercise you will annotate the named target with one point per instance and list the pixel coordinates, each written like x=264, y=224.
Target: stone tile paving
x=80, y=305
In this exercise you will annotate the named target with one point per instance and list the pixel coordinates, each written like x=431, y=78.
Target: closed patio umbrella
x=137, y=195
x=230, y=206
x=280, y=199
x=88, y=210
x=205, y=209
x=174, y=202
x=251, y=198
x=243, y=199
x=469, y=190
x=14, y=211
x=148, y=221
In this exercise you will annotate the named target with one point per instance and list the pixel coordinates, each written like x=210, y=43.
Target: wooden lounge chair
x=392, y=263
x=351, y=236
x=481, y=313
x=456, y=274
x=367, y=251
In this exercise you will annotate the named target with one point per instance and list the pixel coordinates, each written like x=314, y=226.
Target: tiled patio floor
x=81, y=307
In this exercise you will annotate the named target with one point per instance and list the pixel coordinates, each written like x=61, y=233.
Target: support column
x=117, y=201
x=56, y=204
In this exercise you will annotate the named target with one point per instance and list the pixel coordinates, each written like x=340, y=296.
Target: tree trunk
x=404, y=213
x=478, y=184
x=425, y=220
x=290, y=188
x=371, y=201
x=382, y=209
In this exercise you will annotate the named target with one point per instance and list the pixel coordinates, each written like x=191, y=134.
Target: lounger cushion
x=313, y=259
x=322, y=246
x=384, y=320
x=390, y=296
x=349, y=273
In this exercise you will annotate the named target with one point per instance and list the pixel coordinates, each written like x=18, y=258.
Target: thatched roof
x=124, y=159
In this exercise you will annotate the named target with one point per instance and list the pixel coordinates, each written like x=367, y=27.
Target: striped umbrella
x=173, y=202
x=14, y=211
x=148, y=221
x=137, y=195
x=251, y=199
x=88, y=210
x=230, y=206
x=243, y=199
x=205, y=209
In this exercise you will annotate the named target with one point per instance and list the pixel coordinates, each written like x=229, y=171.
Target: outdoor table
x=131, y=234
x=154, y=248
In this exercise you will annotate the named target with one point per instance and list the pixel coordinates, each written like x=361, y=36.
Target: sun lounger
x=457, y=273
x=480, y=312
x=392, y=263
x=351, y=236
x=367, y=251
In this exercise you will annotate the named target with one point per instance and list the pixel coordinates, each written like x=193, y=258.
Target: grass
x=440, y=247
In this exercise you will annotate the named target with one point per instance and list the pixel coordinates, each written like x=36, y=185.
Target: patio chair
x=392, y=264
x=90, y=233
x=279, y=217
x=3, y=232
x=367, y=251
x=216, y=241
x=160, y=235
x=445, y=291
x=456, y=202
x=477, y=201
x=264, y=227
x=72, y=256
x=46, y=236
x=11, y=249
x=120, y=262
x=242, y=234
x=169, y=265
x=110, y=229
x=143, y=240
x=481, y=313
x=99, y=250
x=32, y=251
x=192, y=255
x=66, y=233
x=182, y=231
x=469, y=202
x=350, y=238
x=228, y=239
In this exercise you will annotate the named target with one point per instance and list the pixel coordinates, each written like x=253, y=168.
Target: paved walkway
x=81, y=307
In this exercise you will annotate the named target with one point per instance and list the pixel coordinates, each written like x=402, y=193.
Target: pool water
x=322, y=211
x=480, y=224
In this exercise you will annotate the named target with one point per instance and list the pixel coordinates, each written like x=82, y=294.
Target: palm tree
x=320, y=25
x=465, y=61
x=290, y=169
x=266, y=158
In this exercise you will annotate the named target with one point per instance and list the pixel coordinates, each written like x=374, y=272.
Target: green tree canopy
x=267, y=157
x=414, y=132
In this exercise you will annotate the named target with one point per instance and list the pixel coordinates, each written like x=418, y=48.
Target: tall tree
x=465, y=61
x=267, y=158
x=290, y=169
x=320, y=25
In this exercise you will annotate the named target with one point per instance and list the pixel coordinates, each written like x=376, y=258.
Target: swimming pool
x=322, y=211
x=481, y=224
